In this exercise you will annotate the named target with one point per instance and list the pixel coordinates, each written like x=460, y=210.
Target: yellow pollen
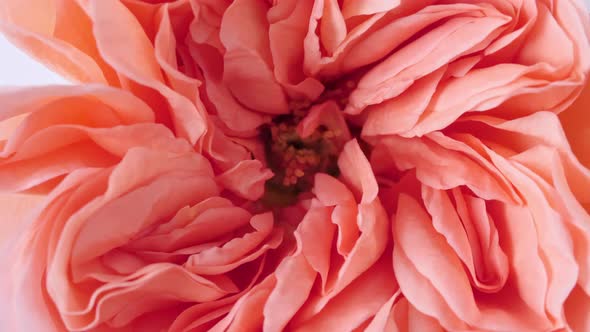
x=299, y=173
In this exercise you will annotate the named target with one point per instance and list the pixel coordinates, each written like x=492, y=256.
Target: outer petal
x=108, y=18
x=64, y=128
x=48, y=37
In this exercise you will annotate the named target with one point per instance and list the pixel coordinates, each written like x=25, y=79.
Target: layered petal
x=503, y=261
x=60, y=129
x=340, y=257
x=183, y=249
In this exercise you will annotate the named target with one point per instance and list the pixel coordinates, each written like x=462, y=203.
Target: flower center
x=295, y=159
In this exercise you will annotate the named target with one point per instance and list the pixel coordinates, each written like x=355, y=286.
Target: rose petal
x=108, y=18
x=246, y=179
x=247, y=61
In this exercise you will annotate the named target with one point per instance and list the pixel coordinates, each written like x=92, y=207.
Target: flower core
x=296, y=154
x=295, y=159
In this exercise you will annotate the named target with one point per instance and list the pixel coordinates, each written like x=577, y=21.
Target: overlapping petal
x=408, y=59
x=503, y=229
x=110, y=238
x=59, y=129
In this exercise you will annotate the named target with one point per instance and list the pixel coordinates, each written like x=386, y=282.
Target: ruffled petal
x=247, y=60
x=108, y=18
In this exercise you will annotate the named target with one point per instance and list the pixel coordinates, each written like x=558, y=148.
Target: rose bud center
x=295, y=159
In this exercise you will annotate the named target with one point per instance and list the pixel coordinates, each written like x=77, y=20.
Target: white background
x=17, y=68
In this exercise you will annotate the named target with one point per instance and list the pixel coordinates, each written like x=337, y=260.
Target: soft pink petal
x=288, y=21
x=247, y=61
x=246, y=179
x=108, y=17
x=356, y=170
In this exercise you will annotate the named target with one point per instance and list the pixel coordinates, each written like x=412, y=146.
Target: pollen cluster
x=295, y=159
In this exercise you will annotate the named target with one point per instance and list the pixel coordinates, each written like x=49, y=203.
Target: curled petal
x=247, y=61
x=246, y=179
x=108, y=18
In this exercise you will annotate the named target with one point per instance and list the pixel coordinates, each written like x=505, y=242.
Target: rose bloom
x=298, y=165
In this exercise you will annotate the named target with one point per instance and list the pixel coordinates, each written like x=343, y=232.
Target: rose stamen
x=294, y=159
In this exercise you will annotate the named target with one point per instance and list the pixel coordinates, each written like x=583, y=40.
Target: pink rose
x=299, y=165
